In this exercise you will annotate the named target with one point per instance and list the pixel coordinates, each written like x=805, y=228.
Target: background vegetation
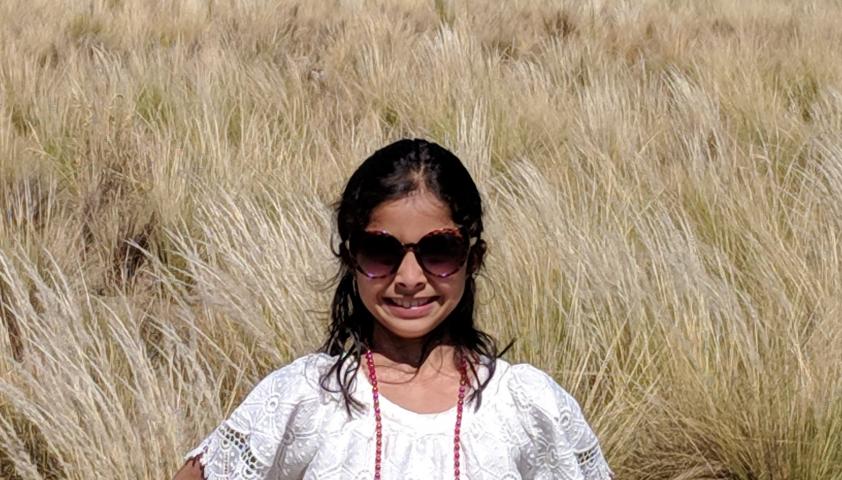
x=663, y=182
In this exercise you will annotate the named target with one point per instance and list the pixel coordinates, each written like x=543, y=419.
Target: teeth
x=410, y=303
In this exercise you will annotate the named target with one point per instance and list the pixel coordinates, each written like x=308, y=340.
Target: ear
x=476, y=256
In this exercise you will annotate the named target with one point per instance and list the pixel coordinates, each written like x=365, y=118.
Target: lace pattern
x=226, y=454
x=593, y=464
x=289, y=428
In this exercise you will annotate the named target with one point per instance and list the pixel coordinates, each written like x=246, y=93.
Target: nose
x=410, y=277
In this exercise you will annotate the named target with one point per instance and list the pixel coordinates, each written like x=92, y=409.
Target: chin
x=399, y=328
x=409, y=335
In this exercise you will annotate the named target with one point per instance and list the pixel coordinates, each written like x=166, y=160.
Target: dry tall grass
x=664, y=194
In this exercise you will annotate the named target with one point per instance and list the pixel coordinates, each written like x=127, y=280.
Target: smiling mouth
x=410, y=302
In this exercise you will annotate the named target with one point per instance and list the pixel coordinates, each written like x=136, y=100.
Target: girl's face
x=410, y=303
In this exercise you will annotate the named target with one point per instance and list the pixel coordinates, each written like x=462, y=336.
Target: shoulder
x=300, y=378
x=282, y=392
x=304, y=370
x=522, y=381
x=286, y=397
x=534, y=387
x=286, y=403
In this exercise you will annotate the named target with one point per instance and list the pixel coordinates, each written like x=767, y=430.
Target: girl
x=405, y=387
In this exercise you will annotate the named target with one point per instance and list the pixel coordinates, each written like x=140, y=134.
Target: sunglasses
x=440, y=253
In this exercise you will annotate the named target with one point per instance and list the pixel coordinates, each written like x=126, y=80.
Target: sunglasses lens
x=442, y=254
x=377, y=255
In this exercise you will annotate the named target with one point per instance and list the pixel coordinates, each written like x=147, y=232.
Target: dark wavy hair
x=391, y=173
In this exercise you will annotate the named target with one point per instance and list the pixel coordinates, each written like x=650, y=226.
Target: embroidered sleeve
x=250, y=443
x=563, y=445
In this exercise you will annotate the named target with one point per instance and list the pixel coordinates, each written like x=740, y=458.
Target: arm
x=192, y=470
x=248, y=444
x=563, y=443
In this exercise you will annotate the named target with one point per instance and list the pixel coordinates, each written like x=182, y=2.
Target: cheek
x=452, y=287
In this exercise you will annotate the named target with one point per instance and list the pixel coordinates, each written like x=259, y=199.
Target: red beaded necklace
x=378, y=426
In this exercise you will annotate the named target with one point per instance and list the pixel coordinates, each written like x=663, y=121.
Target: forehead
x=410, y=218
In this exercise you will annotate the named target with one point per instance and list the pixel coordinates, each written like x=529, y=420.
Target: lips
x=410, y=308
x=410, y=302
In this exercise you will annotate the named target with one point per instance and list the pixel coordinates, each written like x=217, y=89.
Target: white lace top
x=288, y=427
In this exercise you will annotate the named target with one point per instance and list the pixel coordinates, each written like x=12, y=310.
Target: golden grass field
x=663, y=188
